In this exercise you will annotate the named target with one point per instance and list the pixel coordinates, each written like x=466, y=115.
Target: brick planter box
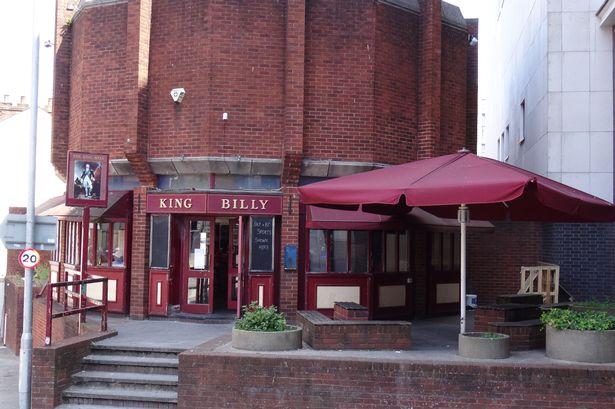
x=320, y=332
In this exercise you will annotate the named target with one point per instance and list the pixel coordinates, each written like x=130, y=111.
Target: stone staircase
x=128, y=377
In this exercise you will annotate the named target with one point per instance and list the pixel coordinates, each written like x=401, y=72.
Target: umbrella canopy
x=482, y=188
x=491, y=189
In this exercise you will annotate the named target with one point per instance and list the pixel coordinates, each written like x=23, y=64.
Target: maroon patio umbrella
x=461, y=184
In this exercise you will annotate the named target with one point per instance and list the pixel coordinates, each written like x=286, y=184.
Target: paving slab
x=9, y=379
x=162, y=334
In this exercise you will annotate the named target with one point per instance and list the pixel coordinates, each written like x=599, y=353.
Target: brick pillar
x=430, y=73
x=293, y=146
x=61, y=86
x=138, y=31
x=139, y=270
x=472, y=89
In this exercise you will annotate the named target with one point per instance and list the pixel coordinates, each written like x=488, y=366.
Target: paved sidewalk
x=163, y=334
x=9, y=379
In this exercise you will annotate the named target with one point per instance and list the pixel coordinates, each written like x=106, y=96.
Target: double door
x=202, y=245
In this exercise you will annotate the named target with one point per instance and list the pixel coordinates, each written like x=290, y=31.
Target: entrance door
x=197, y=266
x=233, y=264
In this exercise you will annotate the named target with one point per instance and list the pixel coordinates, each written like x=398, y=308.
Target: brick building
x=203, y=212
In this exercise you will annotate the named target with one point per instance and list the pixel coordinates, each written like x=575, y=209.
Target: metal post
x=463, y=216
x=25, y=354
x=48, y=318
x=103, y=313
x=85, y=235
x=239, y=265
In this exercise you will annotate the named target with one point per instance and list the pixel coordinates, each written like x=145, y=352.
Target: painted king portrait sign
x=87, y=179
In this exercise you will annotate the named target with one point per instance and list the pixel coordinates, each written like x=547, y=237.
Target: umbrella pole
x=463, y=216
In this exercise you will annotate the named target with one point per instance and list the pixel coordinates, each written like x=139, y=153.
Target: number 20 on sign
x=29, y=258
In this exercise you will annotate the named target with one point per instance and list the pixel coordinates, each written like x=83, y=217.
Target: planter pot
x=267, y=341
x=581, y=346
x=477, y=345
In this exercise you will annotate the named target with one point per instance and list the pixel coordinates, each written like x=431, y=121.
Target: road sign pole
x=25, y=354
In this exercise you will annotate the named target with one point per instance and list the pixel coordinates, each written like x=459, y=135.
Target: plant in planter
x=580, y=336
x=264, y=329
x=595, y=305
x=484, y=345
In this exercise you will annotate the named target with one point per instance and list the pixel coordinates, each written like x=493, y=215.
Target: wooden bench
x=320, y=332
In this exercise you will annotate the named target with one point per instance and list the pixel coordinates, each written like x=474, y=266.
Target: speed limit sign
x=29, y=258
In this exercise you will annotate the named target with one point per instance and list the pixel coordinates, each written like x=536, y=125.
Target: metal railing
x=85, y=303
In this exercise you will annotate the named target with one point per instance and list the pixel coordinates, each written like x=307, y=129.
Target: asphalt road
x=9, y=375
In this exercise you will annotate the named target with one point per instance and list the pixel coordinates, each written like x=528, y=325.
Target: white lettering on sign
x=176, y=203
x=244, y=204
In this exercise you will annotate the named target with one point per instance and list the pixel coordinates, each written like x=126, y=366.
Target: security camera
x=178, y=94
x=472, y=40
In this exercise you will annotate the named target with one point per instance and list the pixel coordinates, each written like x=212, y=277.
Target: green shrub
x=585, y=321
x=596, y=304
x=257, y=318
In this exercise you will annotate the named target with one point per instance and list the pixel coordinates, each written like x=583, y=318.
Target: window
x=339, y=251
x=445, y=252
x=159, y=241
x=359, y=241
x=318, y=251
x=522, y=127
x=107, y=244
x=505, y=142
x=73, y=243
x=198, y=258
x=241, y=182
x=343, y=251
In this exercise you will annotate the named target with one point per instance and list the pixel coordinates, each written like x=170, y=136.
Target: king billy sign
x=214, y=203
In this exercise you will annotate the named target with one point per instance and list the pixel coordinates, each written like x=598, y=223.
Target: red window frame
x=93, y=248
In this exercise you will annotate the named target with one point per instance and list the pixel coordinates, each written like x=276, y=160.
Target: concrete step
x=111, y=396
x=126, y=380
x=135, y=364
x=129, y=350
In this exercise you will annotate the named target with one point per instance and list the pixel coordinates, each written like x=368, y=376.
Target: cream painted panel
x=326, y=295
x=447, y=293
x=391, y=296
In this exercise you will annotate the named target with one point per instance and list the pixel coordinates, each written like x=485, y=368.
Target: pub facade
x=203, y=213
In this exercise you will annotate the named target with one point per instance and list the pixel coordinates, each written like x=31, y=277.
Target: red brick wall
x=217, y=379
x=339, y=78
x=139, y=264
x=13, y=308
x=53, y=366
x=396, y=85
x=237, y=67
x=62, y=328
x=495, y=259
x=98, y=93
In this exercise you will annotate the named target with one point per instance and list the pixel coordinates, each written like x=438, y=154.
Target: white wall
x=553, y=54
x=14, y=165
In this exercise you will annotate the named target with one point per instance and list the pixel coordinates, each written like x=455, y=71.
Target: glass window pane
x=447, y=255
x=159, y=241
x=119, y=234
x=198, y=290
x=457, y=250
x=199, y=245
x=235, y=228
x=377, y=252
x=391, y=251
x=91, y=251
x=339, y=251
x=102, y=244
x=404, y=260
x=318, y=251
x=436, y=251
x=358, y=251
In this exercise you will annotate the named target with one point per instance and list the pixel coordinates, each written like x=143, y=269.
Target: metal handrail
x=101, y=305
